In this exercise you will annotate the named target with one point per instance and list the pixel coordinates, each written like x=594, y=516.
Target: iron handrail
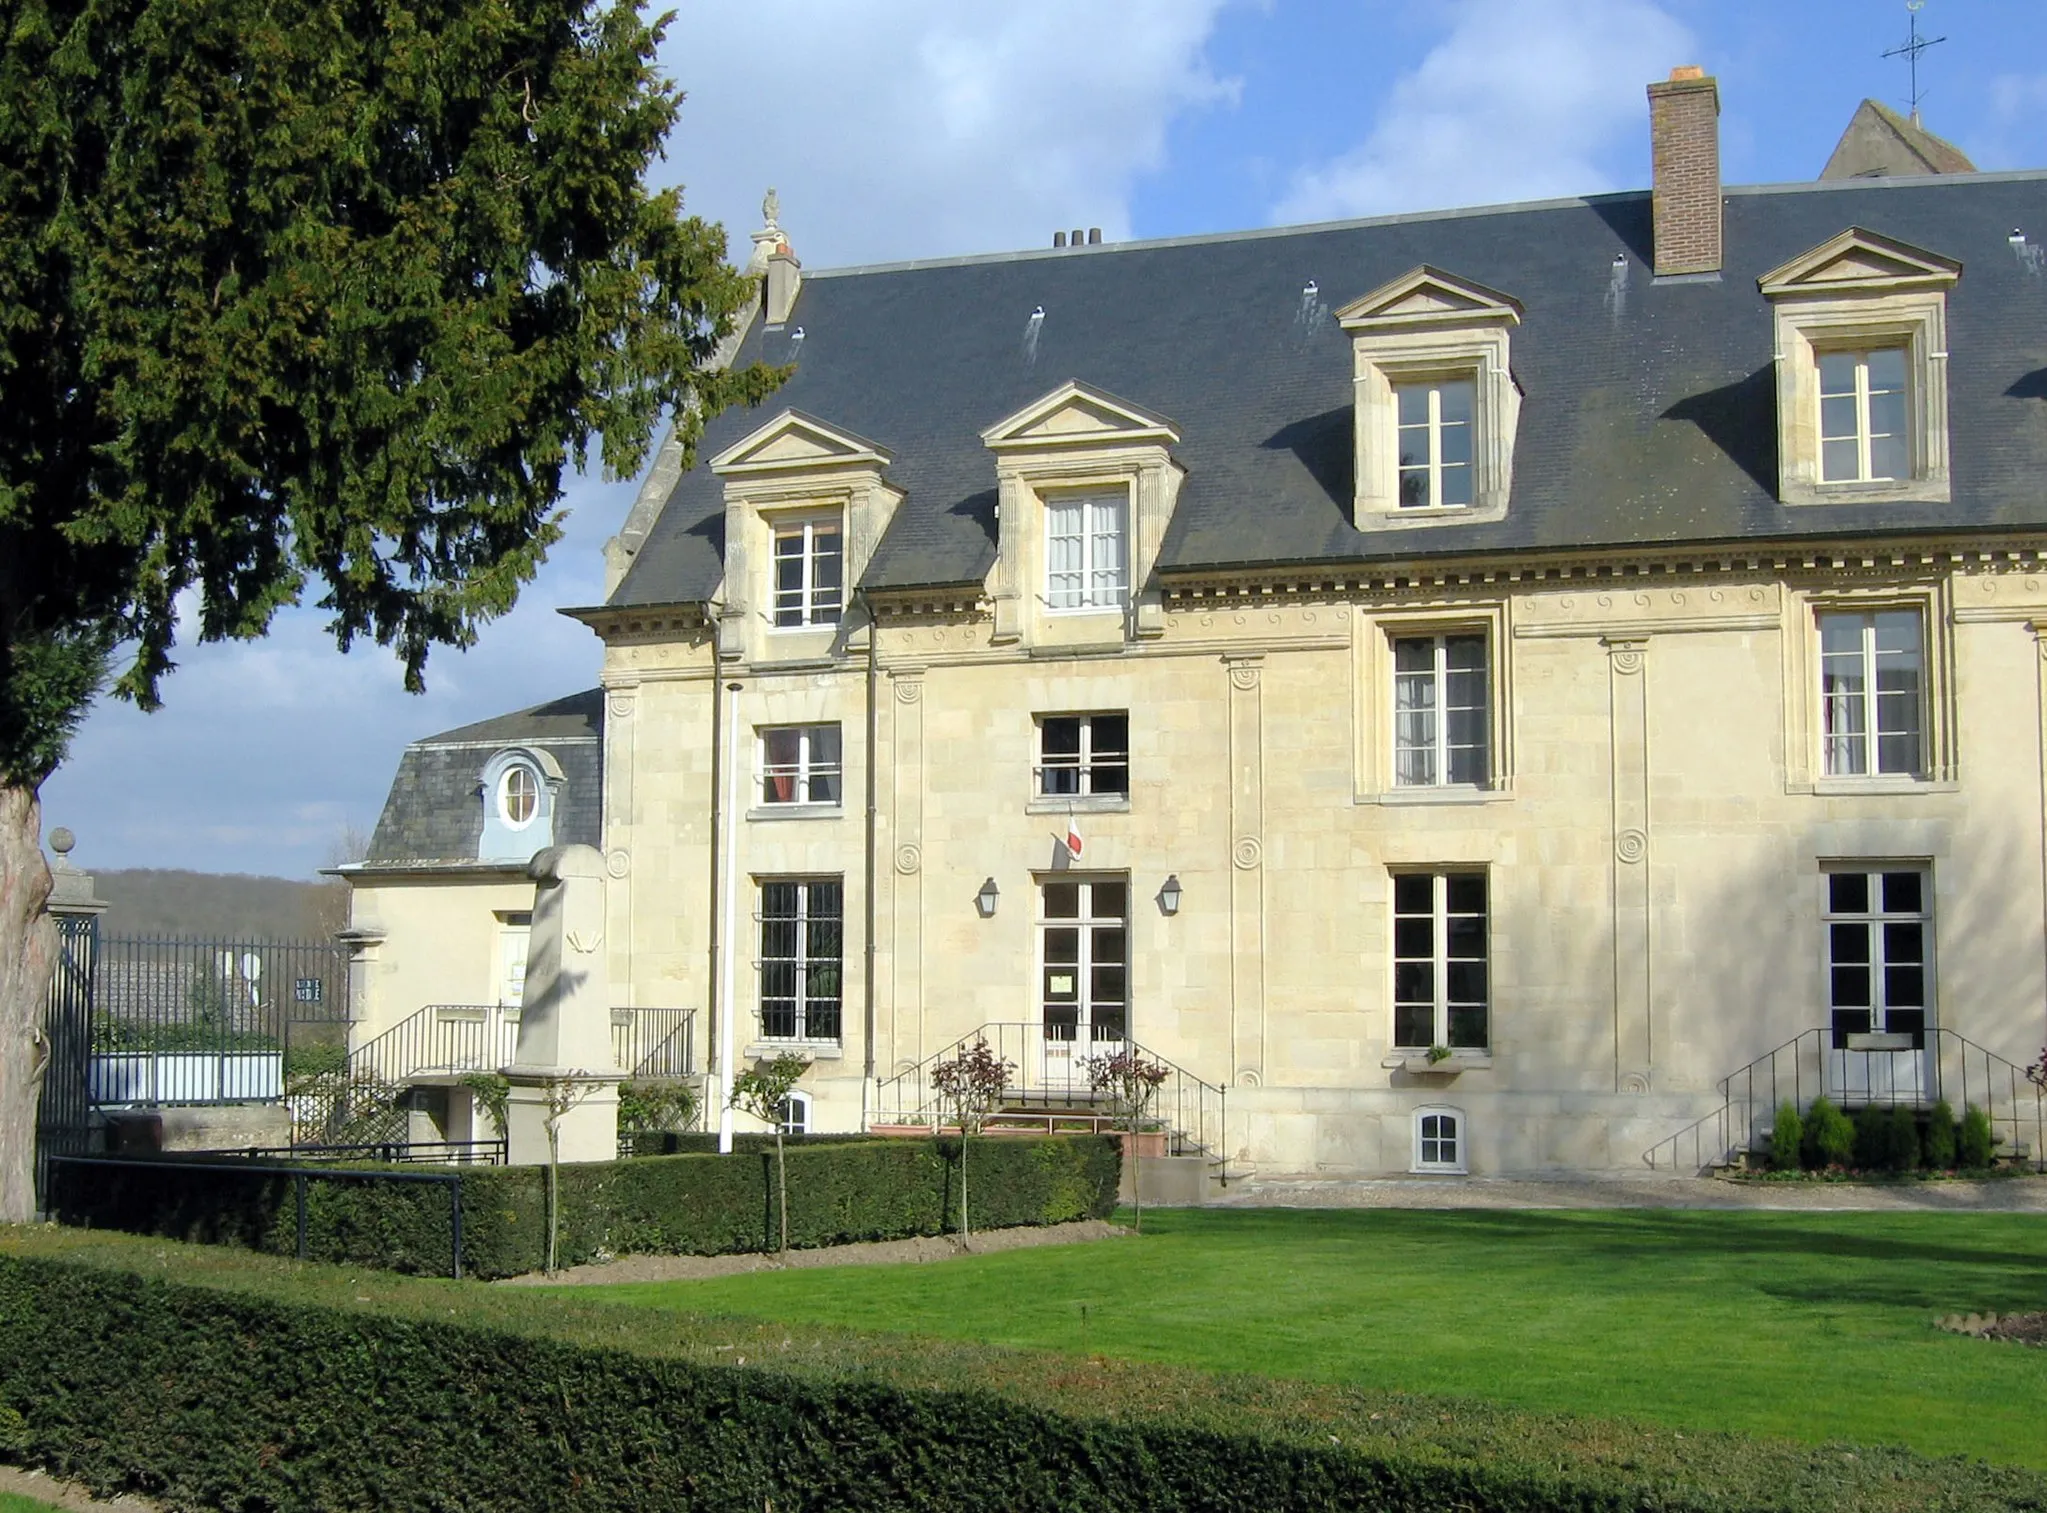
x=1194, y=1113
x=1805, y=1067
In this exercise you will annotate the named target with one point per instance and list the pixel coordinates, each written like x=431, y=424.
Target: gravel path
x=2001, y=1195
x=869, y=1253
x=62, y=1494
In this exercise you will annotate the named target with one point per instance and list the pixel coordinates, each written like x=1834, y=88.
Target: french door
x=1084, y=977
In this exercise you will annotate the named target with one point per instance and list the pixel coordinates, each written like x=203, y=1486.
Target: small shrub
x=1901, y=1141
x=1872, y=1138
x=1829, y=1137
x=1939, y=1150
x=1976, y=1146
x=1787, y=1138
x=648, y=1107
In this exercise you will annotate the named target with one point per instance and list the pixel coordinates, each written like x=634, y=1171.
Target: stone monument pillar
x=564, y=1054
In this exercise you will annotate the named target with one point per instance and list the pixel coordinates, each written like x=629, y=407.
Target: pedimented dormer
x=1087, y=488
x=806, y=504
x=1434, y=400
x=1861, y=357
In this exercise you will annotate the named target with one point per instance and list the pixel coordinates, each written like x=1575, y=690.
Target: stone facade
x=1155, y=678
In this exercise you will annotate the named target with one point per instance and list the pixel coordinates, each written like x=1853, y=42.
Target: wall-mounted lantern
x=987, y=898
x=1169, y=896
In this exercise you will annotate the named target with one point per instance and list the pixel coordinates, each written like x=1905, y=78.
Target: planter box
x=1881, y=1041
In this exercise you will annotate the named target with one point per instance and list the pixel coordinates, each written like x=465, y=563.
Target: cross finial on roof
x=1910, y=49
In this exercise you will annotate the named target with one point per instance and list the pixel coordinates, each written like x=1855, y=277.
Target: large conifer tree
x=308, y=299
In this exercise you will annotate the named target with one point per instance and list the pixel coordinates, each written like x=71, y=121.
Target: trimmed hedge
x=663, y=1205
x=221, y=1379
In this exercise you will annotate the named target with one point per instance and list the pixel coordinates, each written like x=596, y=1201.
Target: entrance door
x=1085, y=978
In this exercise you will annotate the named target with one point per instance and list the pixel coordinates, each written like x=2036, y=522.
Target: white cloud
x=2011, y=133
x=922, y=128
x=1520, y=101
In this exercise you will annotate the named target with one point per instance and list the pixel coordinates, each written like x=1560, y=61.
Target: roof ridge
x=1405, y=217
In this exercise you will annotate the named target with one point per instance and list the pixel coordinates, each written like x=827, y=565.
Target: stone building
x=1465, y=684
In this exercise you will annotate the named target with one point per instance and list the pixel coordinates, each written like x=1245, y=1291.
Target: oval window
x=518, y=797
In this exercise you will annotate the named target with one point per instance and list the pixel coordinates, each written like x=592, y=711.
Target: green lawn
x=1813, y=1326
x=11, y=1502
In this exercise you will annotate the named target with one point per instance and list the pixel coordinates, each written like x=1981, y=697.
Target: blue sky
x=924, y=128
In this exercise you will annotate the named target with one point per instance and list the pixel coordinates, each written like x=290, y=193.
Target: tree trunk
x=1136, y=1177
x=966, y=1226
x=28, y=957
x=782, y=1186
x=553, y=1197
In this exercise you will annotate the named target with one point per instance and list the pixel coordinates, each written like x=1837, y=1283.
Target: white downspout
x=728, y=928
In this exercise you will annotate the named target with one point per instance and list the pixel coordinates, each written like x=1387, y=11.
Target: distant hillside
x=220, y=906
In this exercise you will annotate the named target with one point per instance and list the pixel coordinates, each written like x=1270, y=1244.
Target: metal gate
x=64, y=1110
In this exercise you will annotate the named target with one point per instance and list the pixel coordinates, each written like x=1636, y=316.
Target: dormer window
x=809, y=573
x=518, y=791
x=1434, y=400
x=1086, y=486
x=1862, y=371
x=1087, y=555
x=1435, y=443
x=1863, y=416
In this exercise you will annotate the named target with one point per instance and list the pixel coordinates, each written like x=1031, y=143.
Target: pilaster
x=1634, y=1039
x=1247, y=868
x=906, y=774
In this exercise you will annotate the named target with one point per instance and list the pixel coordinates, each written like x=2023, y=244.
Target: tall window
x=1439, y=960
x=1086, y=962
x=1440, y=720
x=1084, y=755
x=1862, y=416
x=802, y=958
x=800, y=764
x=1879, y=975
x=1086, y=551
x=1435, y=443
x=809, y=573
x=1872, y=705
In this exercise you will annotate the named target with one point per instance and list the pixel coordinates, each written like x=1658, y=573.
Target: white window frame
x=795, y=1113
x=804, y=1027
x=1885, y=956
x=808, y=768
x=1864, y=435
x=812, y=606
x=1433, y=427
x=1869, y=704
x=1088, y=924
x=1085, y=766
x=1440, y=960
x=1101, y=526
x=1438, y=750
x=536, y=789
x=1459, y=1161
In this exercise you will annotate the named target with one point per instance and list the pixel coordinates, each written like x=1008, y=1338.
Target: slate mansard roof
x=434, y=814
x=1648, y=414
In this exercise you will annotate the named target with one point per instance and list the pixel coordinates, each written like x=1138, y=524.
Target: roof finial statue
x=771, y=211
x=769, y=239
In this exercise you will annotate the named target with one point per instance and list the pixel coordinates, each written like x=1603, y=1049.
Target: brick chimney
x=1684, y=150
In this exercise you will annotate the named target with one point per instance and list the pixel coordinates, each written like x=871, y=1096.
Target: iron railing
x=64, y=1122
x=392, y=1152
x=1050, y=1090
x=209, y=1021
x=1912, y=1071
x=77, y=1169
x=362, y=1102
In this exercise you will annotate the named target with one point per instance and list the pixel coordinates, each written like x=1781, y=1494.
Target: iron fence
x=76, y=1168
x=210, y=1021
x=64, y=1106
x=1914, y=1070
x=1051, y=1089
